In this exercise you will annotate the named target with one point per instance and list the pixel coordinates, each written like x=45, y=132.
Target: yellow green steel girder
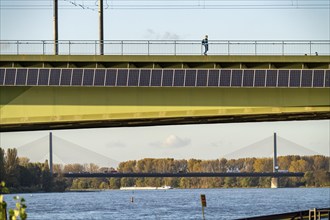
x=26, y=105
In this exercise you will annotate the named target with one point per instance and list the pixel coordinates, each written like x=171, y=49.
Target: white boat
x=166, y=187
x=146, y=188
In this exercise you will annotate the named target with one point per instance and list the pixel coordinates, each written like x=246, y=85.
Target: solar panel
x=225, y=78
x=2, y=76
x=201, y=78
x=306, y=78
x=248, y=78
x=111, y=77
x=133, y=77
x=66, y=77
x=283, y=78
x=88, y=78
x=318, y=80
x=32, y=77
x=156, y=77
x=327, y=79
x=213, y=78
x=77, y=75
x=271, y=78
x=55, y=75
x=167, y=78
x=10, y=76
x=179, y=77
x=99, y=77
x=43, y=78
x=190, y=78
x=145, y=77
x=122, y=77
x=260, y=78
x=236, y=78
x=21, y=77
x=295, y=78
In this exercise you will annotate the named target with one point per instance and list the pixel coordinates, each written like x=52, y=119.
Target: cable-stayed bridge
x=64, y=152
x=264, y=148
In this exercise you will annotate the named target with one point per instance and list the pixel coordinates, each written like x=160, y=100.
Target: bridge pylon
x=51, y=153
x=274, y=181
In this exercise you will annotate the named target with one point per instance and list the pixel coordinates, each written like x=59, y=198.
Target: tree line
x=21, y=175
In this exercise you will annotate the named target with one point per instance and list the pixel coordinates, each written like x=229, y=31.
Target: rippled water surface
x=172, y=204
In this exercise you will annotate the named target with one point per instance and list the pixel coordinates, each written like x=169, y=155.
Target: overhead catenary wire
x=168, y=4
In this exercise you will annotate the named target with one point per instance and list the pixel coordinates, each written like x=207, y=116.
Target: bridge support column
x=274, y=182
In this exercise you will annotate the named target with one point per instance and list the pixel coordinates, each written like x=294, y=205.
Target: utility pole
x=55, y=17
x=101, y=27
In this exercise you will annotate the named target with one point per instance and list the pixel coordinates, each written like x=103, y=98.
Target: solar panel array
x=164, y=77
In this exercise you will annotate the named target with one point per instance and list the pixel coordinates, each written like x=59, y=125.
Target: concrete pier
x=274, y=182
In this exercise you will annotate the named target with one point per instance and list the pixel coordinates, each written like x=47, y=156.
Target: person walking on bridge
x=205, y=43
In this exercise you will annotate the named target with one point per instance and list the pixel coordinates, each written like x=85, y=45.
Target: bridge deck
x=195, y=174
x=73, y=91
x=166, y=61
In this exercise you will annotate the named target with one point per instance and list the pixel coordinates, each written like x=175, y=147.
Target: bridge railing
x=165, y=47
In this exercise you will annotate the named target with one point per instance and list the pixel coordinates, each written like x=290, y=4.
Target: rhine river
x=172, y=204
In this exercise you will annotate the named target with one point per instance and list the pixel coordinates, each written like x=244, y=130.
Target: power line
x=168, y=4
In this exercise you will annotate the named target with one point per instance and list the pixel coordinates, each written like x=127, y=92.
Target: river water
x=172, y=204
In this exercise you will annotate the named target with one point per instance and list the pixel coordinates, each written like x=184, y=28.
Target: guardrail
x=312, y=214
x=165, y=47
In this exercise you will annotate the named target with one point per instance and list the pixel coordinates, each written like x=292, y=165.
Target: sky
x=76, y=23
x=181, y=142
x=211, y=141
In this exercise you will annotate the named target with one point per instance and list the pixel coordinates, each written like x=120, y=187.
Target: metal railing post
x=148, y=43
x=43, y=47
x=175, y=47
x=95, y=47
x=17, y=47
x=122, y=47
x=282, y=48
x=255, y=47
x=69, y=47
x=228, y=48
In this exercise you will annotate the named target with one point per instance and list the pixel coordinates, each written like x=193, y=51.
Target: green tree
x=223, y=165
x=114, y=183
x=46, y=179
x=320, y=163
x=300, y=165
x=2, y=164
x=127, y=167
x=26, y=178
x=12, y=171
x=230, y=182
x=263, y=165
x=103, y=185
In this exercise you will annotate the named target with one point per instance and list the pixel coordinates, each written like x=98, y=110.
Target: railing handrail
x=168, y=47
x=157, y=40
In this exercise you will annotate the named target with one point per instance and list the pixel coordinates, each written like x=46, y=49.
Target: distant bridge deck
x=188, y=174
